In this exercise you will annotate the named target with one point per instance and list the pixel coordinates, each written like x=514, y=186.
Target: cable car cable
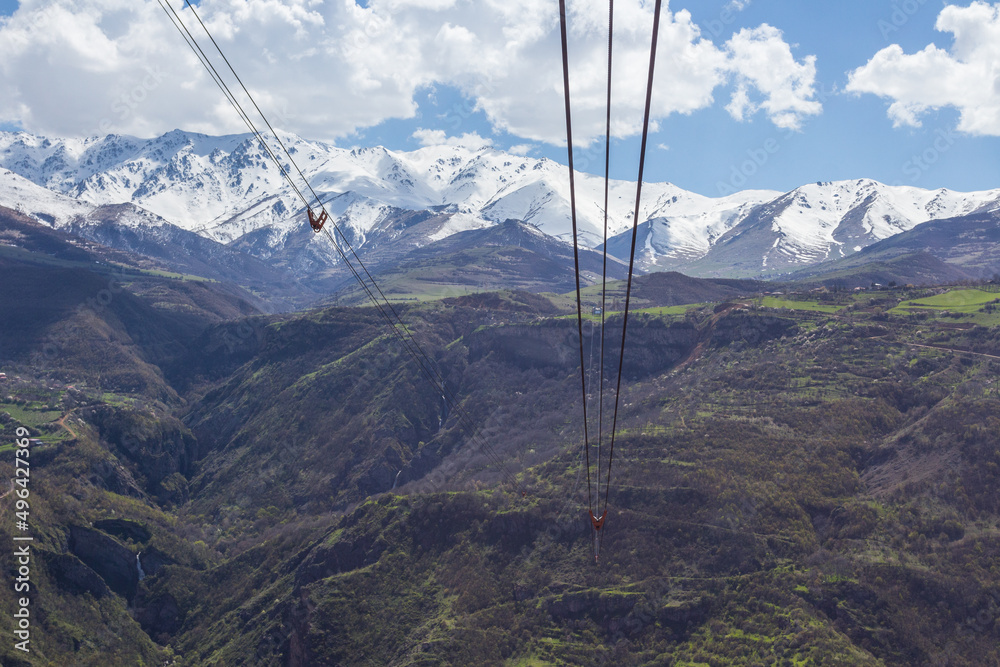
x=411, y=346
x=635, y=227
x=604, y=266
x=576, y=251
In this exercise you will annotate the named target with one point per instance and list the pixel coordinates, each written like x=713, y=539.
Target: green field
x=119, y=400
x=411, y=291
x=30, y=416
x=660, y=311
x=767, y=302
x=126, y=270
x=162, y=274
x=960, y=300
x=614, y=288
x=670, y=310
x=794, y=304
x=968, y=302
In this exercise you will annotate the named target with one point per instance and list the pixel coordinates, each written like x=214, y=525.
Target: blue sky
x=852, y=138
x=932, y=140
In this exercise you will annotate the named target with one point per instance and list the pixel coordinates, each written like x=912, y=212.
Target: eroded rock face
x=590, y=603
x=100, y=564
x=154, y=560
x=73, y=575
x=341, y=556
x=155, y=447
x=750, y=329
x=114, y=477
x=654, y=345
x=107, y=557
x=124, y=529
x=159, y=615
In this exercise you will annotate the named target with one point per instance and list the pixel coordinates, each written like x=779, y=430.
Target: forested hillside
x=799, y=480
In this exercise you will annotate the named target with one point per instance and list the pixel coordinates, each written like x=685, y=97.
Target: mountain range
x=794, y=483
x=803, y=477
x=217, y=206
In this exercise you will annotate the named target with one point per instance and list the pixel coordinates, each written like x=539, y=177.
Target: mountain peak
x=226, y=188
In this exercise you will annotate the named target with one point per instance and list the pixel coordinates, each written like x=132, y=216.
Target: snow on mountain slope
x=191, y=180
x=688, y=228
x=498, y=186
x=828, y=220
x=227, y=189
x=823, y=221
x=20, y=194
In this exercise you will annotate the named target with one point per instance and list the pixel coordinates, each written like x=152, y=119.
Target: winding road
x=954, y=350
x=62, y=422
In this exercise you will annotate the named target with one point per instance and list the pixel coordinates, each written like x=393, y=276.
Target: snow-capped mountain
x=55, y=209
x=228, y=190
x=824, y=221
x=226, y=187
x=132, y=229
x=811, y=224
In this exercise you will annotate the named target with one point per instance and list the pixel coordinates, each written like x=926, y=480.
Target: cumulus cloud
x=439, y=138
x=328, y=69
x=966, y=76
x=763, y=61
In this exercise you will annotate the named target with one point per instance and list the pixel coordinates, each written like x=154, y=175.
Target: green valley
x=803, y=479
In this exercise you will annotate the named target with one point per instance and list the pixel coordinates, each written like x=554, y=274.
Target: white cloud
x=966, y=77
x=762, y=60
x=328, y=69
x=439, y=138
x=663, y=147
x=521, y=149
